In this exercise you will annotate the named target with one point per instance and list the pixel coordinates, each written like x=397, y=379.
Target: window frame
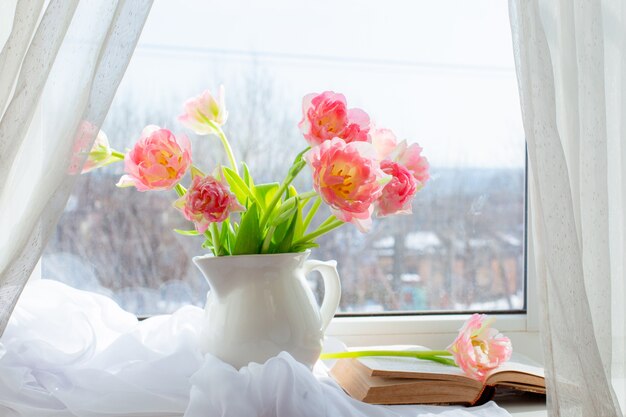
x=436, y=329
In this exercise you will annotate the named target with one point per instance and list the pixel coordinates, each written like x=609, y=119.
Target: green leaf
x=298, y=162
x=247, y=178
x=265, y=193
x=187, y=232
x=249, y=237
x=239, y=187
x=225, y=238
x=299, y=232
x=282, y=216
x=285, y=215
x=232, y=236
x=284, y=245
x=301, y=247
x=280, y=230
x=195, y=172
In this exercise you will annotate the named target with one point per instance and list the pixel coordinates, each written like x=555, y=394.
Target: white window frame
x=433, y=330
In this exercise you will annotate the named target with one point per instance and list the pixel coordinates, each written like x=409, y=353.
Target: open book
x=399, y=380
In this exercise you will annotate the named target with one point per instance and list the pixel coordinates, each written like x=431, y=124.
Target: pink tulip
x=207, y=201
x=204, y=112
x=411, y=157
x=84, y=134
x=479, y=348
x=101, y=154
x=348, y=178
x=398, y=193
x=357, y=128
x=385, y=142
x=325, y=116
x=157, y=162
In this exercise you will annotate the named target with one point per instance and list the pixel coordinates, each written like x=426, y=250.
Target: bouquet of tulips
x=357, y=169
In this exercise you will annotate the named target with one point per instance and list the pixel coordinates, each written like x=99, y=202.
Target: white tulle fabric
x=60, y=64
x=67, y=352
x=571, y=65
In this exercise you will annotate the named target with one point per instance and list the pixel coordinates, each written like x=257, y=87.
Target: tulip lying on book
x=477, y=349
x=415, y=375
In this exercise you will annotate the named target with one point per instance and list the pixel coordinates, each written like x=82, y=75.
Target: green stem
x=226, y=244
x=307, y=195
x=215, y=238
x=330, y=219
x=444, y=361
x=320, y=231
x=292, y=201
x=432, y=355
x=403, y=353
x=268, y=239
x=225, y=143
x=195, y=171
x=180, y=190
x=209, y=238
x=296, y=167
x=311, y=213
x=274, y=201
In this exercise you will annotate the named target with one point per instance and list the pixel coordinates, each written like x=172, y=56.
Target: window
x=437, y=72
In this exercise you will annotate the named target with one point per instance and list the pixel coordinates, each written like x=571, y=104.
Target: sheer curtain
x=571, y=65
x=60, y=66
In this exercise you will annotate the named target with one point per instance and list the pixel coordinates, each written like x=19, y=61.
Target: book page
x=514, y=366
x=519, y=367
x=381, y=365
x=402, y=367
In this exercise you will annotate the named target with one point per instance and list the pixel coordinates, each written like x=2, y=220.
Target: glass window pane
x=439, y=73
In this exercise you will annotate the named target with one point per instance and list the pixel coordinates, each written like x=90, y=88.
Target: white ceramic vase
x=260, y=305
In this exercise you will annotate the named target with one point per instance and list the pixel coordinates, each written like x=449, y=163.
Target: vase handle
x=332, y=288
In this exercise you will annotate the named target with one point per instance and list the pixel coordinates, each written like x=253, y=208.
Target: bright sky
x=438, y=72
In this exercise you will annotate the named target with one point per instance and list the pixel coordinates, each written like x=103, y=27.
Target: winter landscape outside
x=451, y=87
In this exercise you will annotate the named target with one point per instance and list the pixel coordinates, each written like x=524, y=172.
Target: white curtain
x=571, y=65
x=60, y=65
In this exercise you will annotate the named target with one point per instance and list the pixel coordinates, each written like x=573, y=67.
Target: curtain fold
x=570, y=58
x=24, y=24
x=60, y=68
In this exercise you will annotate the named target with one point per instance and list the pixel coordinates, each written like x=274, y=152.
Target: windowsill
x=432, y=331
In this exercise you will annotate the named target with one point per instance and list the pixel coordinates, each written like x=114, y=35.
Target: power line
x=290, y=56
